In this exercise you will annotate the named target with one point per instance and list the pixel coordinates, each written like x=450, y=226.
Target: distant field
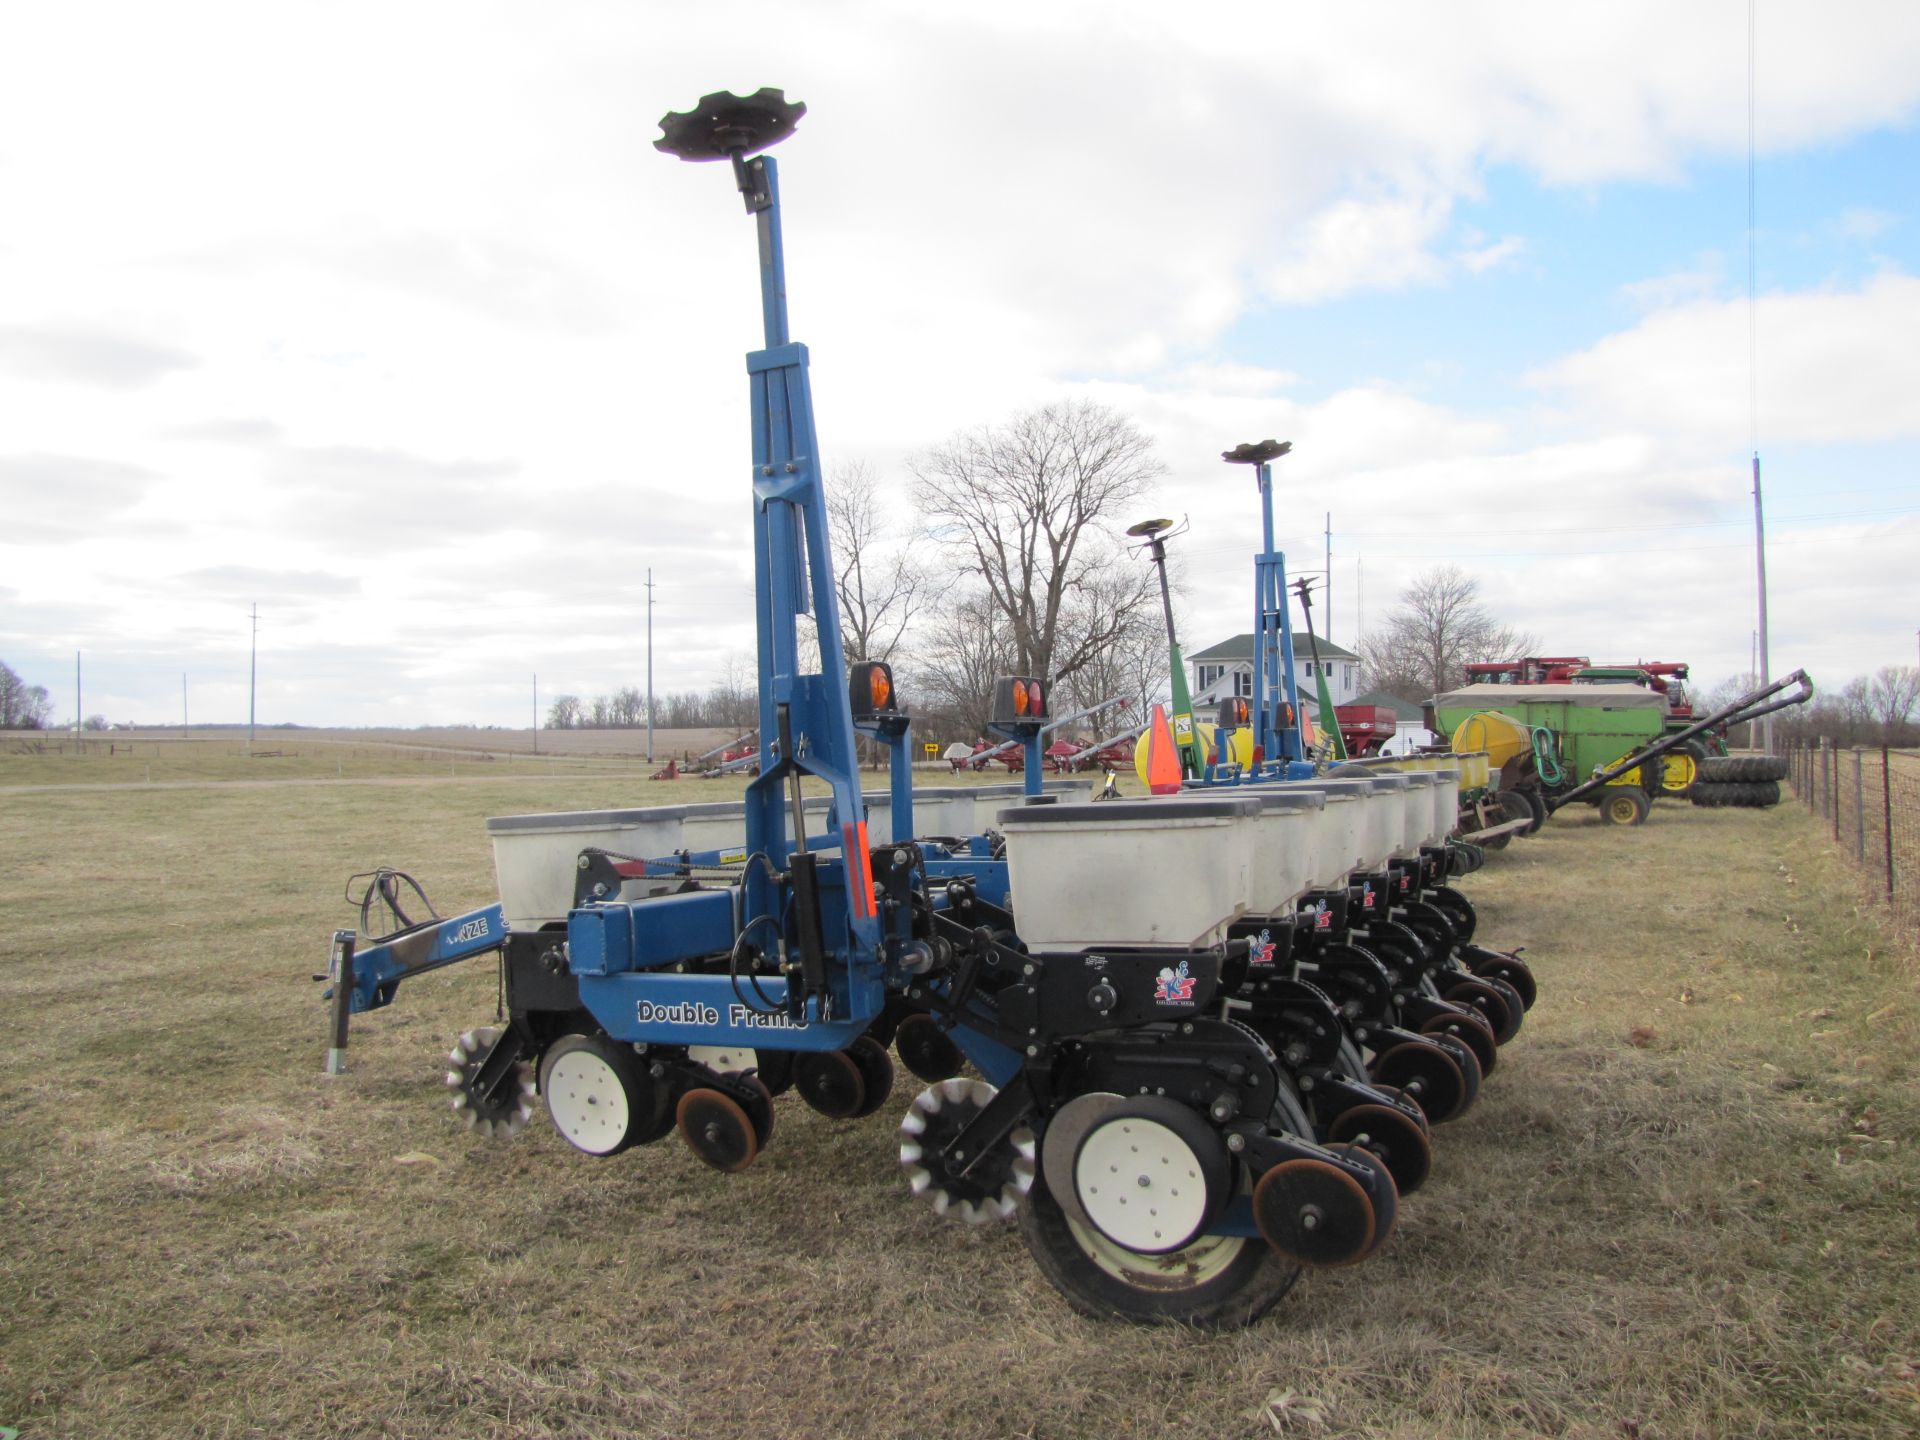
x=1685, y=1205
x=139, y=757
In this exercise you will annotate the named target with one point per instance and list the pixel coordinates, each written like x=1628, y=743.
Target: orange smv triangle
x=1163, y=760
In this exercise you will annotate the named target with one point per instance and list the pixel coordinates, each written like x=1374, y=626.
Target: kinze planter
x=1177, y=1137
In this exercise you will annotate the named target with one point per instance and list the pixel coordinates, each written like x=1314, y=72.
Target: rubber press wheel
x=832, y=1083
x=1217, y=1282
x=1392, y=1137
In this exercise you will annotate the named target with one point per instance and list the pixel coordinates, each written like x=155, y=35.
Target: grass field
x=1685, y=1206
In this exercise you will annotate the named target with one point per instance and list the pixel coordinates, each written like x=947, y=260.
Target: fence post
x=1859, y=810
x=1886, y=795
x=1836, y=795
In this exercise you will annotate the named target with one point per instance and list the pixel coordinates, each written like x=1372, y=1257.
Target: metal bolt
x=1236, y=1143
x=1033, y=1050
x=790, y=467
x=766, y=469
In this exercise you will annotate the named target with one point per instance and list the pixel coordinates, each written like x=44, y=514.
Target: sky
x=389, y=320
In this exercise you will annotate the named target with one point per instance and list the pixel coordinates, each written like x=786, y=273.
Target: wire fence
x=1870, y=803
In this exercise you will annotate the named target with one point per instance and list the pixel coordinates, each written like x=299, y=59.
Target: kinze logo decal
x=1174, y=987
x=1261, y=952
x=472, y=930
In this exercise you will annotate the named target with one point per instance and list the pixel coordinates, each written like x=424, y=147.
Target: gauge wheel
x=1218, y=1282
x=599, y=1097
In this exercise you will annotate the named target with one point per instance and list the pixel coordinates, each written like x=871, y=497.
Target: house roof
x=1240, y=647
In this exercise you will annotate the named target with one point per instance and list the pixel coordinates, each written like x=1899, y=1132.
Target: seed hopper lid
x=1117, y=811
x=586, y=819
x=1303, y=799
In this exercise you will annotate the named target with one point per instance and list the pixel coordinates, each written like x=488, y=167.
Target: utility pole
x=253, y=672
x=79, y=708
x=184, y=726
x=536, y=712
x=1753, y=388
x=649, y=664
x=1360, y=583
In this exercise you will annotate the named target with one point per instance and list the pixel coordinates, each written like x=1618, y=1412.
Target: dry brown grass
x=1710, y=1233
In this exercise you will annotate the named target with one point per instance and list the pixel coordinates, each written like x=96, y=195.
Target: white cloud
x=1487, y=257
x=1833, y=366
x=348, y=281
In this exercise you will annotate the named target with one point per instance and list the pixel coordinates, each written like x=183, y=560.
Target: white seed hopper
x=1171, y=872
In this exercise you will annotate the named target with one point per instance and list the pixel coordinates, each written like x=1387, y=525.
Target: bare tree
x=880, y=588
x=1028, y=506
x=1132, y=667
x=1894, y=693
x=22, y=706
x=564, y=713
x=963, y=650
x=1439, y=627
x=1854, y=704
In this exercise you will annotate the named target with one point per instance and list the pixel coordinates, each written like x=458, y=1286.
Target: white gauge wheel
x=1141, y=1184
x=723, y=1059
x=588, y=1102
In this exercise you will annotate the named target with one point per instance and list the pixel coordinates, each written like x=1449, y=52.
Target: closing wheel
x=1428, y=1074
x=1512, y=969
x=1476, y=994
x=1314, y=1213
x=831, y=1082
x=1469, y=1030
x=717, y=1129
x=1470, y=1072
x=876, y=1073
x=1381, y=1190
x=1457, y=908
x=1151, y=1175
x=598, y=1097
x=776, y=1070
x=1391, y=1136
x=1516, y=1007
x=1406, y=1104
x=926, y=1049
x=499, y=1112
x=759, y=1108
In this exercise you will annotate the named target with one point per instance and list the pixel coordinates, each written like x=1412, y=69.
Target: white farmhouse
x=1227, y=669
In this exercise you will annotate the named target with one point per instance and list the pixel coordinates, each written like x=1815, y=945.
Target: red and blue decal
x=1174, y=987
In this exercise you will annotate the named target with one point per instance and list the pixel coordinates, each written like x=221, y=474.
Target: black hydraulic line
x=1747, y=707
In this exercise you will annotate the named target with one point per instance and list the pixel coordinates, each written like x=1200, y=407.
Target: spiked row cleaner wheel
x=970, y=1188
x=495, y=1106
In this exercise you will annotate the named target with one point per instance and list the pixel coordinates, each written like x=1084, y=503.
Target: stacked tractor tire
x=1743, y=782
